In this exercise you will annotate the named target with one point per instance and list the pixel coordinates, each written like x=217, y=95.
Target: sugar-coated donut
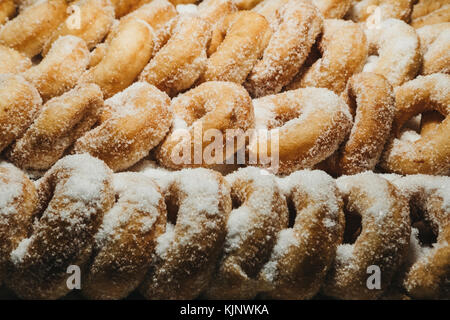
x=304, y=127
x=61, y=68
x=60, y=122
x=18, y=200
x=429, y=153
x=7, y=10
x=259, y=213
x=240, y=48
x=435, y=47
x=72, y=199
x=210, y=108
x=371, y=101
x=134, y=122
x=333, y=9
x=436, y=12
x=198, y=204
x=126, y=240
x=123, y=7
x=96, y=18
x=428, y=270
x=246, y=4
x=380, y=10
x=398, y=49
x=12, y=61
x=35, y=24
x=344, y=49
x=383, y=240
x=19, y=104
x=303, y=253
x=297, y=26
x=126, y=55
x=182, y=60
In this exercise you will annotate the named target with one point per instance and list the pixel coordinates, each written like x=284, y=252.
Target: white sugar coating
x=163, y=177
x=286, y=239
x=11, y=188
x=127, y=102
x=18, y=254
x=398, y=46
x=165, y=241
x=424, y=186
x=409, y=136
x=415, y=251
x=238, y=225
x=137, y=199
x=371, y=63
x=344, y=254
x=191, y=9
x=321, y=189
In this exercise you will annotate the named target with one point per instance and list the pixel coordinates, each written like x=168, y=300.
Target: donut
x=212, y=107
x=240, y=49
x=382, y=242
x=380, y=10
x=425, y=7
x=182, y=60
x=61, y=121
x=134, y=122
x=371, y=101
x=96, y=18
x=344, y=52
x=215, y=12
x=198, y=205
x=35, y=24
x=18, y=200
x=426, y=154
x=435, y=47
x=304, y=126
x=126, y=240
x=333, y=9
x=19, y=105
x=72, y=198
x=12, y=61
x=259, y=213
x=298, y=25
x=439, y=15
x=7, y=10
x=304, y=252
x=124, y=7
x=398, y=49
x=429, y=267
x=126, y=55
x=61, y=68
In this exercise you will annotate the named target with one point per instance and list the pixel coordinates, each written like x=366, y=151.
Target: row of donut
x=174, y=52
x=193, y=232
x=312, y=127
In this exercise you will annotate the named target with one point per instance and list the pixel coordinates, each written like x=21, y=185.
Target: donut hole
x=292, y=211
x=353, y=227
x=172, y=207
x=427, y=234
x=236, y=202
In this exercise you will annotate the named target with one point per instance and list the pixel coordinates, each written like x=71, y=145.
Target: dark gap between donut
x=236, y=202
x=427, y=234
x=353, y=227
x=172, y=207
x=292, y=211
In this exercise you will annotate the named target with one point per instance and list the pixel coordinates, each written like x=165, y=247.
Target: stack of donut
x=354, y=90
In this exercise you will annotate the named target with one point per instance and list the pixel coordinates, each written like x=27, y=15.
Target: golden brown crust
x=209, y=108
x=304, y=253
x=426, y=154
x=182, y=60
x=19, y=104
x=199, y=203
x=12, y=61
x=60, y=123
x=259, y=214
x=383, y=241
x=344, y=52
x=97, y=17
x=7, y=10
x=308, y=123
x=72, y=198
x=29, y=31
x=240, y=49
x=440, y=15
x=126, y=240
x=371, y=101
x=133, y=122
x=435, y=47
x=61, y=68
x=297, y=26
